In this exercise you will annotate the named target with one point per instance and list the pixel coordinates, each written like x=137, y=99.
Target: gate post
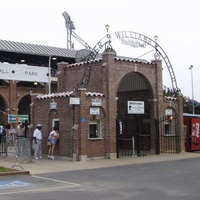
x=138, y=137
x=133, y=144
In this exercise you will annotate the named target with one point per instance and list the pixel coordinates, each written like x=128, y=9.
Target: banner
x=20, y=72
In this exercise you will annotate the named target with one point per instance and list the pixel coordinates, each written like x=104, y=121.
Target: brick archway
x=3, y=115
x=24, y=105
x=134, y=87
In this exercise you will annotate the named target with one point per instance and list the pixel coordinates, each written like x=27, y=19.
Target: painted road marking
x=51, y=189
x=55, y=180
x=13, y=184
x=67, y=186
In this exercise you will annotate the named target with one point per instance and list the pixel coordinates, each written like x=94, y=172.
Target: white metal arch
x=106, y=42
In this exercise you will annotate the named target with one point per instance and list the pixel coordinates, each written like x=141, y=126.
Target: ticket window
x=94, y=129
x=55, y=122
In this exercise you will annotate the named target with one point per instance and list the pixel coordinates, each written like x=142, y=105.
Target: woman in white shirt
x=53, y=136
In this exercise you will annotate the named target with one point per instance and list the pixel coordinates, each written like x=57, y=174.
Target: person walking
x=37, y=142
x=53, y=137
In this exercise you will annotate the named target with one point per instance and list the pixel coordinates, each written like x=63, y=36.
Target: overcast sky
x=175, y=22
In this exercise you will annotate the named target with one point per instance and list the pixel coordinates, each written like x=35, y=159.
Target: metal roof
x=34, y=49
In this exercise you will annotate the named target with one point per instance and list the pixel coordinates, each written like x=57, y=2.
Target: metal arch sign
x=106, y=42
x=125, y=34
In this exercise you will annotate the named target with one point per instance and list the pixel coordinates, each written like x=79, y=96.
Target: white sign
x=133, y=43
x=168, y=111
x=74, y=101
x=94, y=111
x=135, y=107
x=96, y=102
x=21, y=72
x=53, y=105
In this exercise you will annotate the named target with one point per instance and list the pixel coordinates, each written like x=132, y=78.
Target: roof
x=34, y=49
x=119, y=58
x=54, y=95
x=170, y=98
x=66, y=94
x=135, y=60
x=94, y=94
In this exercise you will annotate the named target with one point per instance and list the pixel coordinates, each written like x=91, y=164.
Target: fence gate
x=167, y=136
x=133, y=136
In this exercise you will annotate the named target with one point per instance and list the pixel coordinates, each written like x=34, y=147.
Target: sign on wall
x=17, y=118
x=94, y=111
x=168, y=111
x=96, y=102
x=74, y=101
x=135, y=107
x=53, y=105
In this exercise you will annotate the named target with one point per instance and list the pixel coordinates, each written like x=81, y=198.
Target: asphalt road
x=177, y=180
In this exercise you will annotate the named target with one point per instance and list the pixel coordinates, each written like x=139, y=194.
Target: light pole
x=49, y=81
x=191, y=68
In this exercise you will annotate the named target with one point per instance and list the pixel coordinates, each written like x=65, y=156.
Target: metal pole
x=133, y=143
x=49, y=74
x=191, y=68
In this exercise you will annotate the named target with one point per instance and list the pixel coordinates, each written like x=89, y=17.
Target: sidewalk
x=65, y=164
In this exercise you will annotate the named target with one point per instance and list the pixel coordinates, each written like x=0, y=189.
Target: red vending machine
x=192, y=132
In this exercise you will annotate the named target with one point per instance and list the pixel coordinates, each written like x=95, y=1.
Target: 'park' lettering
x=31, y=73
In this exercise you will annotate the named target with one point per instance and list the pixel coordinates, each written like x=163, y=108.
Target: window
x=55, y=122
x=169, y=127
x=94, y=129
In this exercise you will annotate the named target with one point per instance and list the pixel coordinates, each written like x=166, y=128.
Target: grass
x=4, y=169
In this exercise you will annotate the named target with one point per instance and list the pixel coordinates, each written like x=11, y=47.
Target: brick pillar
x=181, y=124
x=157, y=100
x=61, y=76
x=13, y=106
x=110, y=91
x=81, y=136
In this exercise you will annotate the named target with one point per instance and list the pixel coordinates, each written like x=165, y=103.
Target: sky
x=175, y=22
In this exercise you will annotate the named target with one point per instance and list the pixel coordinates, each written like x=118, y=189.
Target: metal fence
x=18, y=148
x=167, y=136
x=131, y=147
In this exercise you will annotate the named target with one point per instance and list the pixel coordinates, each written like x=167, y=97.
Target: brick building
x=25, y=69
x=122, y=101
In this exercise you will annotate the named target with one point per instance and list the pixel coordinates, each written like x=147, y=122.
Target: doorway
x=135, y=137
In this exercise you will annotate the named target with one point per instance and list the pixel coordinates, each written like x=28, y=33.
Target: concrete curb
x=14, y=173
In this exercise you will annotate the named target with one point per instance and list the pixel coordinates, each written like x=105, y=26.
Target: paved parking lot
x=162, y=179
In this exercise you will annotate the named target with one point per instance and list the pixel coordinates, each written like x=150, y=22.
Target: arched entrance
x=3, y=114
x=24, y=106
x=135, y=134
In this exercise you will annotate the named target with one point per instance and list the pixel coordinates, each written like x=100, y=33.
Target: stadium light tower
x=70, y=27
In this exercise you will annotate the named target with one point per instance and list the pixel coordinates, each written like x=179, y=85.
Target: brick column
x=61, y=76
x=13, y=97
x=181, y=124
x=81, y=135
x=157, y=100
x=110, y=91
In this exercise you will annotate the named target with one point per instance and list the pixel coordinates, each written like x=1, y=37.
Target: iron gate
x=167, y=136
x=133, y=139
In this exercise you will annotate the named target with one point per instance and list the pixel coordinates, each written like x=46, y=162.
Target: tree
x=187, y=102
